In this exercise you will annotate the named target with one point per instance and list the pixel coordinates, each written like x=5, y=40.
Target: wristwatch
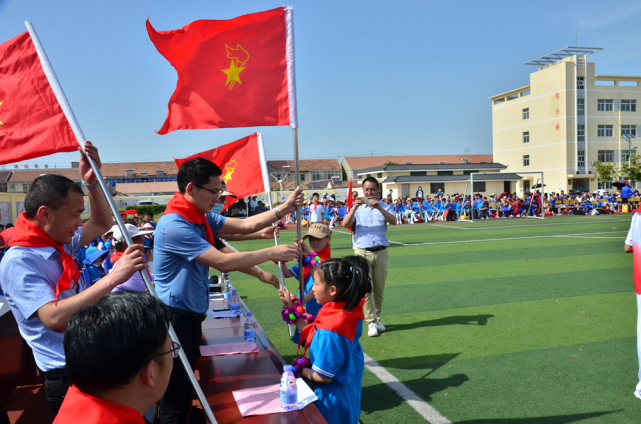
x=277, y=212
x=91, y=186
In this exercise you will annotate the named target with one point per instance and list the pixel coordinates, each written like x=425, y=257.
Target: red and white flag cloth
x=231, y=73
x=243, y=164
x=32, y=123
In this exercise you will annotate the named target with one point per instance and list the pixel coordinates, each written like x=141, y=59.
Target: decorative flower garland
x=311, y=261
x=299, y=364
x=297, y=310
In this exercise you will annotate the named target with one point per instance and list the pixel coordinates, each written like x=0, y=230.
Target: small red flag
x=32, y=123
x=231, y=73
x=243, y=164
x=350, y=201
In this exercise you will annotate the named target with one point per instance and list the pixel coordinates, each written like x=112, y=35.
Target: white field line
x=419, y=405
x=531, y=225
x=502, y=239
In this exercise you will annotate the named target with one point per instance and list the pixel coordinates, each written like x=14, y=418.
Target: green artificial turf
x=536, y=327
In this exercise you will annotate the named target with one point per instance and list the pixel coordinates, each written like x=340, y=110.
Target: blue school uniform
x=334, y=356
x=312, y=306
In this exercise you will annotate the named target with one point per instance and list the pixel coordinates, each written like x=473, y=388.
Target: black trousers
x=56, y=386
x=176, y=402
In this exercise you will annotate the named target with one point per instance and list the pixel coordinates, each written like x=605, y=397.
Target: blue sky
x=412, y=78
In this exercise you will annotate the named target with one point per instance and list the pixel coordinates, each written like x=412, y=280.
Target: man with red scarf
x=39, y=273
x=183, y=252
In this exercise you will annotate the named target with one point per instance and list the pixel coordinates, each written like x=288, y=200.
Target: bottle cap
x=249, y=314
x=234, y=291
x=287, y=368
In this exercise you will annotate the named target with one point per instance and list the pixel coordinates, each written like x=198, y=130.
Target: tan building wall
x=553, y=123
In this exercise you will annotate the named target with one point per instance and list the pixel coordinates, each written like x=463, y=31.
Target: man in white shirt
x=633, y=245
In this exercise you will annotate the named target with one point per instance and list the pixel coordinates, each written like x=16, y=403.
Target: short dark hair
x=95, y=361
x=350, y=275
x=196, y=171
x=148, y=213
x=315, y=194
x=51, y=191
x=371, y=180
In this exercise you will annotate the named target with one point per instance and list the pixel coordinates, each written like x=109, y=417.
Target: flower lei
x=297, y=310
x=311, y=261
x=299, y=364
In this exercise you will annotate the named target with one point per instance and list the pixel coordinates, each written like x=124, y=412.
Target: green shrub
x=155, y=209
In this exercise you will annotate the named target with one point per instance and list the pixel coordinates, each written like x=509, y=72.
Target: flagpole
x=299, y=219
x=66, y=107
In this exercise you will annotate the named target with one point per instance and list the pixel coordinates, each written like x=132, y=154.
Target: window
x=479, y=186
x=417, y=173
x=628, y=105
x=526, y=185
x=625, y=156
x=526, y=113
x=526, y=160
x=470, y=172
x=25, y=188
x=605, y=155
x=302, y=177
x=380, y=175
x=435, y=187
x=3, y=187
x=580, y=133
x=605, y=185
x=580, y=83
x=12, y=187
x=526, y=137
x=605, y=105
x=160, y=173
x=580, y=107
x=581, y=159
x=605, y=131
x=444, y=172
x=629, y=130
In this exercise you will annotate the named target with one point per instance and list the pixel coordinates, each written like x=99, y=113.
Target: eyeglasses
x=175, y=347
x=215, y=193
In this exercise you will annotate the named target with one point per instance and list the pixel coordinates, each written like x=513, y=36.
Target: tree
x=605, y=172
x=632, y=170
x=391, y=163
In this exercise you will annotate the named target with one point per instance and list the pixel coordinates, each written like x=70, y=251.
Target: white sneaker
x=379, y=327
x=371, y=330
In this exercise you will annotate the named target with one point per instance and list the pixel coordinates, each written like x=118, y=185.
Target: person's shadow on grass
x=455, y=320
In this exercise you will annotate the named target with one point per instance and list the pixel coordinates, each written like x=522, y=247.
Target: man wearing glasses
x=132, y=374
x=183, y=252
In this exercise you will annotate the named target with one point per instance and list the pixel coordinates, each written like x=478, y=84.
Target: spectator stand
x=539, y=182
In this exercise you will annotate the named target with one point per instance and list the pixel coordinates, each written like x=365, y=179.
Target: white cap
x=132, y=230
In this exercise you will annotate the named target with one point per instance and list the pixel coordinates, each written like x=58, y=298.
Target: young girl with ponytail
x=335, y=353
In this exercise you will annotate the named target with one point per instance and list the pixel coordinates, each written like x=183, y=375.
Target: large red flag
x=243, y=164
x=32, y=123
x=231, y=73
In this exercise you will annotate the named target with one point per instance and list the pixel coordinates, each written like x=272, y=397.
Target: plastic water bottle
x=235, y=303
x=288, y=392
x=250, y=328
x=226, y=288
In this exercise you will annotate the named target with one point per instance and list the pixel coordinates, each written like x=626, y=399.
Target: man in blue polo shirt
x=370, y=242
x=183, y=252
x=46, y=234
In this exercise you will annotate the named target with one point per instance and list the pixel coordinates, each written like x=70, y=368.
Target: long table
x=220, y=375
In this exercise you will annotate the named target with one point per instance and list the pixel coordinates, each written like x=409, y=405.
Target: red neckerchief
x=178, y=204
x=324, y=255
x=115, y=256
x=26, y=234
x=94, y=410
x=333, y=317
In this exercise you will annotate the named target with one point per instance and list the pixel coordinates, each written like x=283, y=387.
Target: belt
x=375, y=249
x=57, y=374
x=189, y=314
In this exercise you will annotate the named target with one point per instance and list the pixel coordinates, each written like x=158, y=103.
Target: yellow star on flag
x=233, y=74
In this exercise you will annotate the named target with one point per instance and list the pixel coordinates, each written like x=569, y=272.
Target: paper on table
x=266, y=400
x=228, y=349
x=223, y=314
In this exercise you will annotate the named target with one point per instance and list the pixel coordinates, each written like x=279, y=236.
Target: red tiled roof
x=157, y=187
x=4, y=176
x=109, y=170
x=363, y=162
x=278, y=164
x=286, y=186
x=307, y=164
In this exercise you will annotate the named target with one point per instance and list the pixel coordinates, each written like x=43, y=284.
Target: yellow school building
x=565, y=120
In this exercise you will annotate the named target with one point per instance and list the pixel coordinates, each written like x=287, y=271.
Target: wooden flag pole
x=66, y=107
x=299, y=220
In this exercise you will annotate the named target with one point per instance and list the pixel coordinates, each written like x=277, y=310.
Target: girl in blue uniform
x=335, y=352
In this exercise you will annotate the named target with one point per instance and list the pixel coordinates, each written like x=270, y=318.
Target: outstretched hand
x=286, y=297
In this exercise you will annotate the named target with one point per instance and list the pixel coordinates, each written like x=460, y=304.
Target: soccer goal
x=500, y=176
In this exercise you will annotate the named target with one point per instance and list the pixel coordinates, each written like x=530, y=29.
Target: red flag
x=243, y=164
x=32, y=123
x=231, y=73
x=350, y=201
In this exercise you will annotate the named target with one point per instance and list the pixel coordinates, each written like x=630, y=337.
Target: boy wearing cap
x=319, y=236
